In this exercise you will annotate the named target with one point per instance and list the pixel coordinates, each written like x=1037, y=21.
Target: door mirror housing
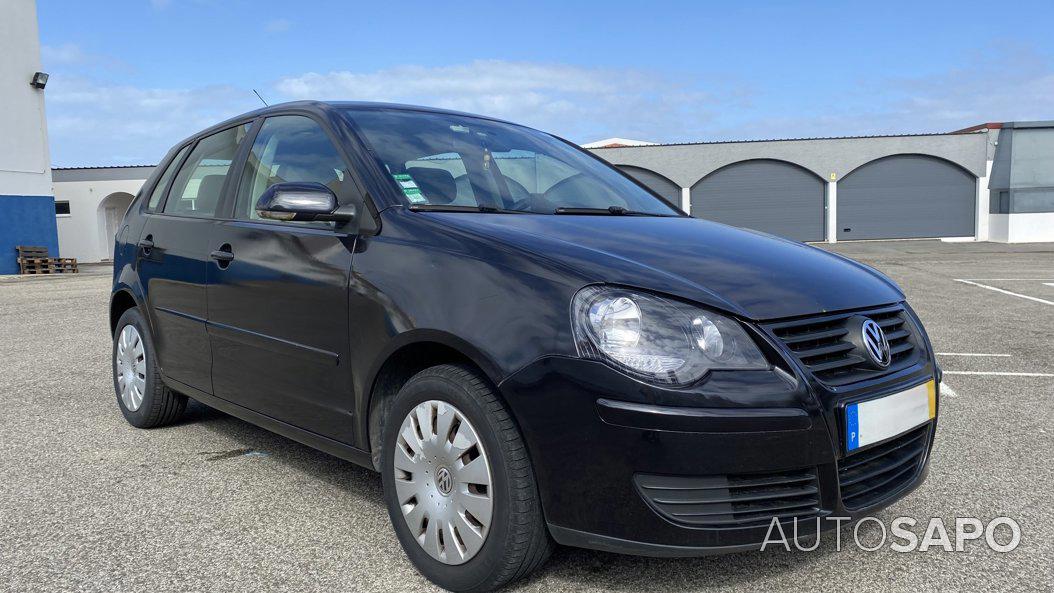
x=303, y=201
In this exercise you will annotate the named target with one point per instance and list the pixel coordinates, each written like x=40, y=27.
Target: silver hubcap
x=130, y=368
x=443, y=482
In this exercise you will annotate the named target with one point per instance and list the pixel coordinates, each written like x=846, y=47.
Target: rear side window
x=162, y=183
x=291, y=148
x=197, y=188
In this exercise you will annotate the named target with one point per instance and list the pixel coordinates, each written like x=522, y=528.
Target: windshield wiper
x=609, y=211
x=462, y=208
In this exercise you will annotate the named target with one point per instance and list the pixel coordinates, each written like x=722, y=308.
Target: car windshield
x=454, y=162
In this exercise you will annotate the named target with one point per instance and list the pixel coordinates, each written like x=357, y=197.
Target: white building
x=988, y=183
x=27, y=211
x=89, y=205
x=992, y=182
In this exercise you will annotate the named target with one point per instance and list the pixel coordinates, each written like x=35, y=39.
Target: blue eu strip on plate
x=852, y=427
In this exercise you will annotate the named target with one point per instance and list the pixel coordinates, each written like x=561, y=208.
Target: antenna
x=260, y=98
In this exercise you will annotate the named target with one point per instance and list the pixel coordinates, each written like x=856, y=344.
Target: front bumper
x=594, y=434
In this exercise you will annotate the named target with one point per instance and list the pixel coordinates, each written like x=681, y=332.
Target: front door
x=113, y=221
x=173, y=251
x=278, y=302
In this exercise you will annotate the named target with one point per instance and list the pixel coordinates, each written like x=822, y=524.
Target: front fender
x=434, y=336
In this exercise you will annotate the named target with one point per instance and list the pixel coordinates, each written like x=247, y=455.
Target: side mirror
x=303, y=201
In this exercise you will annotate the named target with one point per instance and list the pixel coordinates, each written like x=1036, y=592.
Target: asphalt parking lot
x=88, y=503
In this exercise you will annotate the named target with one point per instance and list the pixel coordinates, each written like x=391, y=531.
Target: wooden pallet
x=35, y=260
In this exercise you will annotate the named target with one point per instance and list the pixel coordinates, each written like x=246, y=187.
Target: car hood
x=748, y=273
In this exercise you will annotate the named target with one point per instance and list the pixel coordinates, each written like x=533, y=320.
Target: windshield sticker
x=410, y=189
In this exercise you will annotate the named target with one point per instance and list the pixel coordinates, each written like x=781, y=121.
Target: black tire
x=518, y=541
x=161, y=405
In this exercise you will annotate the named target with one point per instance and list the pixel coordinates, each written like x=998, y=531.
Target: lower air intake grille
x=822, y=344
x=870, y=476
x=733, y=500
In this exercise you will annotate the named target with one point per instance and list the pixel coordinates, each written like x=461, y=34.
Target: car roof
x=327, y=108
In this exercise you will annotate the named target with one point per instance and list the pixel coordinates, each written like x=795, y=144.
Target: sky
x=130, y=78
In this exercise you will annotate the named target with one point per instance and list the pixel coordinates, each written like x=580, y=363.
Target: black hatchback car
x=529, y=345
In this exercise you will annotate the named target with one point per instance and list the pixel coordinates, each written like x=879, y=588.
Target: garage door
x=771, y=196
x=906, y=197
x=666, y=189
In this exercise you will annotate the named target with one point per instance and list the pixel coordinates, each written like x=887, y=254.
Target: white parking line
x=1010, y=279
x=947, y=391
x=999, y=373
x=1023, y=296
x=1048, y=283
x=971, y=354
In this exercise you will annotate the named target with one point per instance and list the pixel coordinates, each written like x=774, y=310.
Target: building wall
x=1021, y=184
x=1030, y=228
x=686, y=164
x=830, y=159
x=83, y=233
x=27, y=209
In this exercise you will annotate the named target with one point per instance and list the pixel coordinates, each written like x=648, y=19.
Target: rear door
x=173, y=251
x=278, y=294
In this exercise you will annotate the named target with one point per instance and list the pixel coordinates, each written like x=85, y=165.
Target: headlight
x=658, y=339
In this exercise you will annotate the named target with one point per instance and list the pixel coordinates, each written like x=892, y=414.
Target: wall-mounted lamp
x=40, y=80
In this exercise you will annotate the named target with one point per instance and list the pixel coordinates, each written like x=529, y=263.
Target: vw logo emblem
x=875, y=343
x=444, y=481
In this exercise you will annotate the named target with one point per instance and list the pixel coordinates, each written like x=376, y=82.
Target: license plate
x=879, y=419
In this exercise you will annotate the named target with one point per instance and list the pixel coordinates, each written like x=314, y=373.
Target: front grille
x=868, y=477
x=820, y=344
x=732, y=500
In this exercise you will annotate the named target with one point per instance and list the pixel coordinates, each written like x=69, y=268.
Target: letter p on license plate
x=876, y=420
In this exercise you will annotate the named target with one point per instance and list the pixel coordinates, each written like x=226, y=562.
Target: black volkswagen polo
x=530, y=346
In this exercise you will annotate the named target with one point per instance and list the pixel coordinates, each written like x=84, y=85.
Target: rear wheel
x=458, y=484
x=143, y=398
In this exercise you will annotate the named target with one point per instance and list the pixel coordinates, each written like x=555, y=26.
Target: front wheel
x=143, y=398
x=459, y=485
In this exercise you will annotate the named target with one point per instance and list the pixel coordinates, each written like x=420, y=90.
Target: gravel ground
x=88, y=503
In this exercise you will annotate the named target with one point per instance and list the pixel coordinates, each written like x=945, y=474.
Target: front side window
x=291, y=148
x=162, y=183
x=441, y=159
x=197, y=188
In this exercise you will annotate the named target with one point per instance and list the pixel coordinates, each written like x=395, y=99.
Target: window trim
x=327, y=128
x=193, y=143
x=159, y=172
x=230, y=212
x=329, y=121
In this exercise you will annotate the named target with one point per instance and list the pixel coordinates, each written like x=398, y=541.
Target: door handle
x=146, y=244
x=223, y=256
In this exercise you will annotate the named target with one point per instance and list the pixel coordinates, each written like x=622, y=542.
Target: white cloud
x=93, y=123
x=72, y=58
x=574, y=101
x=277, y=26
x=1008, y=84
x=99, y=124
x=1002, y=84
x=67, y=53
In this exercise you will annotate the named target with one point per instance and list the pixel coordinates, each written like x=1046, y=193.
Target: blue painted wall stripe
x=26, y=220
